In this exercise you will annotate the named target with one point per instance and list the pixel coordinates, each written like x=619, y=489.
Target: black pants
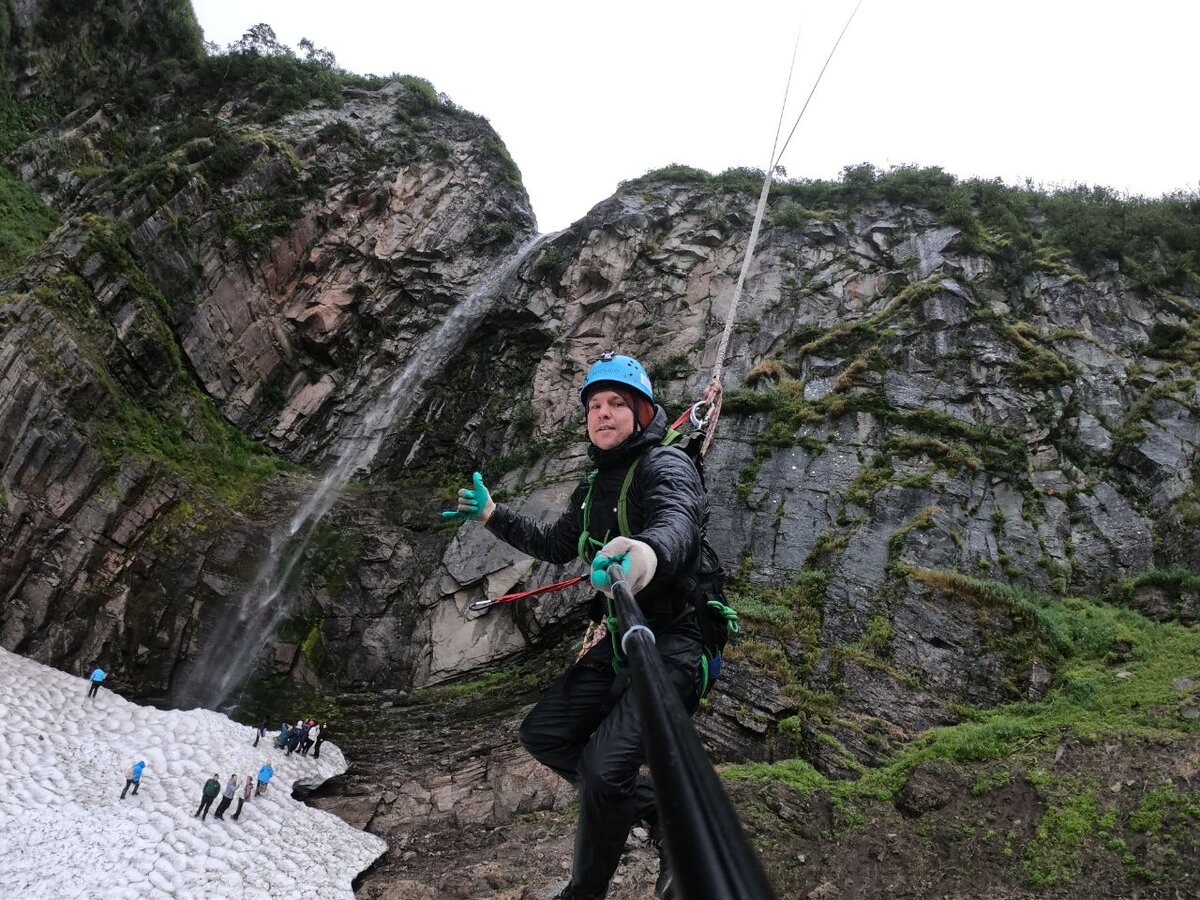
x=222, y=806
x=588, y=728
x=238, y=811
x=202, y=811
x=93, y=689
x=128, y=782
x=317, y=748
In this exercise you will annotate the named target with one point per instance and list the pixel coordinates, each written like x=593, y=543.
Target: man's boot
x=664, y=886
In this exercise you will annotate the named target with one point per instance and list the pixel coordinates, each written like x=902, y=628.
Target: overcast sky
x=585, y=95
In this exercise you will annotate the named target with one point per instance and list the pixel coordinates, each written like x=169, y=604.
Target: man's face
x=609, y=419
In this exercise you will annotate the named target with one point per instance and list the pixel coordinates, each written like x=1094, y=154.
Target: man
x=587, y=726
x=98, y=676
x=212, y=787
x=226, y=797
x=134, y=777
x=322, y=734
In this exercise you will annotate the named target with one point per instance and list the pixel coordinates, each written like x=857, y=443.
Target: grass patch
x=1053, y=855
x=1086, y=700
x=24, y=221
x=795, y=773
x=196, y=444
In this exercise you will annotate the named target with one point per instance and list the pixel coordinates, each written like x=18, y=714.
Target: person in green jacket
x=212, y=787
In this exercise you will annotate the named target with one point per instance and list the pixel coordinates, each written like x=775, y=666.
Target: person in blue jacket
x=264, y=777
x=134, y=777
x=98, y=675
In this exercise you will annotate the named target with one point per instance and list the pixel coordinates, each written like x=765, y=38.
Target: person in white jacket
x=227, y=796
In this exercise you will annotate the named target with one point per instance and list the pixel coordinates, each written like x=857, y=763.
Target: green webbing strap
x=584, y=537
x=728, y=613
x=704, y=682
x=622, y=514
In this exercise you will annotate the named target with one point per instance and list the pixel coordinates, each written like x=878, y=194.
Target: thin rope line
x=820, y=75
x=786, y=89
x=758, y=214
x=723, y=346
x=713, y=390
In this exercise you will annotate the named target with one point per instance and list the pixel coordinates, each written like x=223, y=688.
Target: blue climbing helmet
x=624, y=370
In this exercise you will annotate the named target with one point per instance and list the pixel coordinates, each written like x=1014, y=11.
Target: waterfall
x=233, y=644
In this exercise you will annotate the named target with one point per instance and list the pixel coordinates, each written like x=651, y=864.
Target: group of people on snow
x=242, y=791
x=305, y=735
x=212, y=787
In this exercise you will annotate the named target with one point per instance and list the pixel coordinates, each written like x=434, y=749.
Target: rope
x=820, y=75
x=712, y=393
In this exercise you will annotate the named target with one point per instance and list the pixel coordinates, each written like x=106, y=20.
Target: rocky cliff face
x=216, y=280
x=935, y=429
x=908, y=419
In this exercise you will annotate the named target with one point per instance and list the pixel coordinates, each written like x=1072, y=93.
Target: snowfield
x=65, y=832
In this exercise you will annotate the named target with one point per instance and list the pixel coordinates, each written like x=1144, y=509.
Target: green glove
x=473, y=503
x=637, y=559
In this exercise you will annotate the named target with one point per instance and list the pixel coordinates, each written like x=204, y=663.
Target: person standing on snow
x=587, y=727
x=98, y=675
x=134, y=777
x=322, y=732
x=226, y=797
x=212, y=787
x=294, y=738
x=264, y=777
x=260, y=732
x=305, y=740
x=247, y=791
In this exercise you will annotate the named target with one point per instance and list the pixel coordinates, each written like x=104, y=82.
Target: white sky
x=585, y=95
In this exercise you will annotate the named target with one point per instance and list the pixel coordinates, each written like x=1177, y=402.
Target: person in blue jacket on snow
x=264, y=777
x=134, y=777
x=98, y=675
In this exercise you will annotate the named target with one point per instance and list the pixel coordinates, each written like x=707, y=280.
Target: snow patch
x=65, y=832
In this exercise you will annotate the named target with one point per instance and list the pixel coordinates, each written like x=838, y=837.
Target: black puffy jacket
x=665, y=504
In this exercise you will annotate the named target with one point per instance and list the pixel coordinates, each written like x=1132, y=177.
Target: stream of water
x=234, y=642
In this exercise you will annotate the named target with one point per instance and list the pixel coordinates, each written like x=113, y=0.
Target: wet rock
x=929, y=786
